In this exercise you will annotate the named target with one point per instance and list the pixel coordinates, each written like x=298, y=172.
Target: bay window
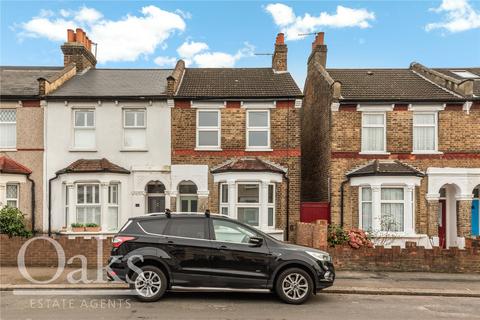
x=374, y=132
x=425, y=132
x=392, y=209
x=248, y=203
x=12, y=194
x=88, y=203
x=224, y=199
x=111, y=222
x=8, y=128
x=208, y=129
x=258, y=129
x=84, y=129
x=134, y=129
x=366, y=209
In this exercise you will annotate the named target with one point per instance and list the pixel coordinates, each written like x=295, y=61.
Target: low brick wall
x=41, y=252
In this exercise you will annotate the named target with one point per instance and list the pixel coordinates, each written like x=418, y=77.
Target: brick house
x=394, y=151
x=22, y=95
x=237, y=131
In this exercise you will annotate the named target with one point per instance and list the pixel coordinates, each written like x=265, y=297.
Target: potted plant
x=92, y=227
x=78, y=227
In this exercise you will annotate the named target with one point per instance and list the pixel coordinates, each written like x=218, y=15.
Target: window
x=366, y=209
x=228, y=231
x=248, y=209
x=392, y=209
x=84, y=129
x=155, y=197
x=373, y=132
x=67, y=204
x=187, y=228
x=208, y=129
x=113, y=204
x=224, y=199
x=88, y=203
x=12, y=195
x=188, y=196
x=465, y=74
x=156, y=226
x=424, y=132
x=258, y=129
x=8, y=128
x=271, y=205
x=134, y=129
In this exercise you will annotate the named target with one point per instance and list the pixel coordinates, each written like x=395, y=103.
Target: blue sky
x=151, y=34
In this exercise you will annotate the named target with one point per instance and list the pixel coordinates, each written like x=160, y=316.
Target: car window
x=228, y=231
x=187, y=228
x=156, y=226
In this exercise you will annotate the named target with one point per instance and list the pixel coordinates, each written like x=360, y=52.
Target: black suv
x=157, y=252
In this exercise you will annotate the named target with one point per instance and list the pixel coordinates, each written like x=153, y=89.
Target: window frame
x=85, y=204
x=135, y=127
x=10, y=123
x=360, y=209
x=222, y=204
x=84, y=128
x=271, y=205
x=435, y=125
x=258, y=204
x=111, y=204
x=402, y=202
x=258, y=129
x=217, y=128
x=384, y=126
x=17, y=199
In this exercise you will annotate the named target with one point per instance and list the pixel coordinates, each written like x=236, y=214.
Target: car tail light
x=117, y=241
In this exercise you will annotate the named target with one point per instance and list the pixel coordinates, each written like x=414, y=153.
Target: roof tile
x=93, y=165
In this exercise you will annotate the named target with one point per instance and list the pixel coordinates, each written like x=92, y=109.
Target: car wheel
x=150, y=284
x=294, y=286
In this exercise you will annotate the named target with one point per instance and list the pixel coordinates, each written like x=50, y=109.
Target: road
x=208, y=305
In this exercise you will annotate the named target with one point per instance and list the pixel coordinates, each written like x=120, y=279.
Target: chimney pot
x=319, y=38
x=280, y=38
x=70, y=35
x=77, y=50
x=80, y=36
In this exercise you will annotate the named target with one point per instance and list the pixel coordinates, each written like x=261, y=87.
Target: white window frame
x=258, y=129
x=384, y=126
x=111, y=204
x=217, y=128
x=224, y=205
x=425, y=125
x=90, y=128
x=271, y=205
x=17, y=199
x=85, y=204
x=361, y=202
x=10, y=123
x=134, y=127
x=394, y=202
x=258, y=204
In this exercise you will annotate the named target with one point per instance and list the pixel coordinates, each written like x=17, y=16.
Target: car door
x=189, y=249
x=235, y=262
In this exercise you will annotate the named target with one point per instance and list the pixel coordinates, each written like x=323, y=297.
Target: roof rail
x=207, y=213
x=168, y=213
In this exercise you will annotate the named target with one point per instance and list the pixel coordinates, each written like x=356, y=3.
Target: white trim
x=217, y=128
x=208, y=104
x=335, y=106
x=426, y=107
x=467, y=106
x=258, y=129
x=298, y=103
x=375, y=107
x=258, y=104
x=466, y=179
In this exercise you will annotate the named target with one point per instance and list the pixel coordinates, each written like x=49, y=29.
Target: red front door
x=442, y=223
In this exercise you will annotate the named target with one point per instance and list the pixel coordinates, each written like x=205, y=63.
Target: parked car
x=158, y=252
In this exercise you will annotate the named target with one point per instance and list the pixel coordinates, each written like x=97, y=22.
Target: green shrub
x=77, y=225
x=12, y=222
x=337, y=235
x=91, y=225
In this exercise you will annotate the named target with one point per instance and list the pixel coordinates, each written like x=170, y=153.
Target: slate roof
x=237, y=83
x=18, y=81
x=8, y=165
x=93, y=165
x=248, y=164
x=103, y=83
x=388, y=85
x=385, y=168
x=476, y=81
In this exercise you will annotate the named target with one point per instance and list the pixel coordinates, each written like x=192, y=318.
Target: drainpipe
x=50, y=204
x=341, y=200
x=32, y=191
x=287, y=232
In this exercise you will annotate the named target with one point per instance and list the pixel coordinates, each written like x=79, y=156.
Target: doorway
x=442, y=223
x=476, y=212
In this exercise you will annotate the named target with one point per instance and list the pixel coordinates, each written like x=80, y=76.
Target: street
x=209, y=305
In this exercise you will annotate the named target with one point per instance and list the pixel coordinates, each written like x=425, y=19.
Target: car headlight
x=320, y=256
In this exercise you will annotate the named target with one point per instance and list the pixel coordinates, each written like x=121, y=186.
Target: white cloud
x=184, y=14
x=163, y=61
x=222, y=59
x=459, y=16
x=293, y=25
x=190, y=48
x=125, y=39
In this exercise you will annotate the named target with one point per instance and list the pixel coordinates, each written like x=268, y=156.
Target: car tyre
x=149, y=285
x=294, y=286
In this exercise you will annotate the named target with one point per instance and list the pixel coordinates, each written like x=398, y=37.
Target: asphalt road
x=208, y=305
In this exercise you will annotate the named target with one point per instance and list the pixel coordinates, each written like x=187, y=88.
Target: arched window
x=155, y=197
x=187, y=191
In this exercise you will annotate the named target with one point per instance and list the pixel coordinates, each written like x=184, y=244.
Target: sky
x=154, y=34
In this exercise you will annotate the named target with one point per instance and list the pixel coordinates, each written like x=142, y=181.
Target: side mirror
x=255, y=241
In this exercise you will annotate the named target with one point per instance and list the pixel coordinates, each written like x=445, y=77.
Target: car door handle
x=170, y=242
x=222, y=247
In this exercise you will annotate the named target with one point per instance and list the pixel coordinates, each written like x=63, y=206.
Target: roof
x=115, y=83
x=385, y=168
x=93, y=165
x=475, y=70
x=248, y=164
x=8, y=165
x=22, y=81
x=388, y=85
x=237, y=83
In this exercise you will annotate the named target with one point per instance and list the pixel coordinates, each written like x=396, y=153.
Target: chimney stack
x=279, y=59
x=77, y=50
x=318, y=47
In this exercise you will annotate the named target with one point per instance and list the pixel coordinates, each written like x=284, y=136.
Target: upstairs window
x=258, y=129
x=208, y=129
x=134, y=129
x=373, y=132
x=425, y=132
x=8, y=128
x=84, y=129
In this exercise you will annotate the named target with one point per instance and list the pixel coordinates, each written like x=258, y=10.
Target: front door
x=442, y=223
x=475, y=217
x=235, y=262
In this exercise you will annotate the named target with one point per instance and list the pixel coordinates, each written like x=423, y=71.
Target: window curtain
x=367, y=209
x=392, y=213
x=373, y=139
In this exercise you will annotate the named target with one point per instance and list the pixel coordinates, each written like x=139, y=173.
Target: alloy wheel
x=295, y=286
x=148, y=283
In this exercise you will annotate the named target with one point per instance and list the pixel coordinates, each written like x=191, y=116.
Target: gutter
x=50, y=203
x=342, y=187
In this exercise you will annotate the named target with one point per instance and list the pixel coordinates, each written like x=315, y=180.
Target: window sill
x=427, y=152
x=8, y=149
x=81, y=150
x=208, y=149
x=258, y=149
x=133, y=150
x=381, y=153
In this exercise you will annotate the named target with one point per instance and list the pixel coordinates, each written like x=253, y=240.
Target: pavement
x=347, y=282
